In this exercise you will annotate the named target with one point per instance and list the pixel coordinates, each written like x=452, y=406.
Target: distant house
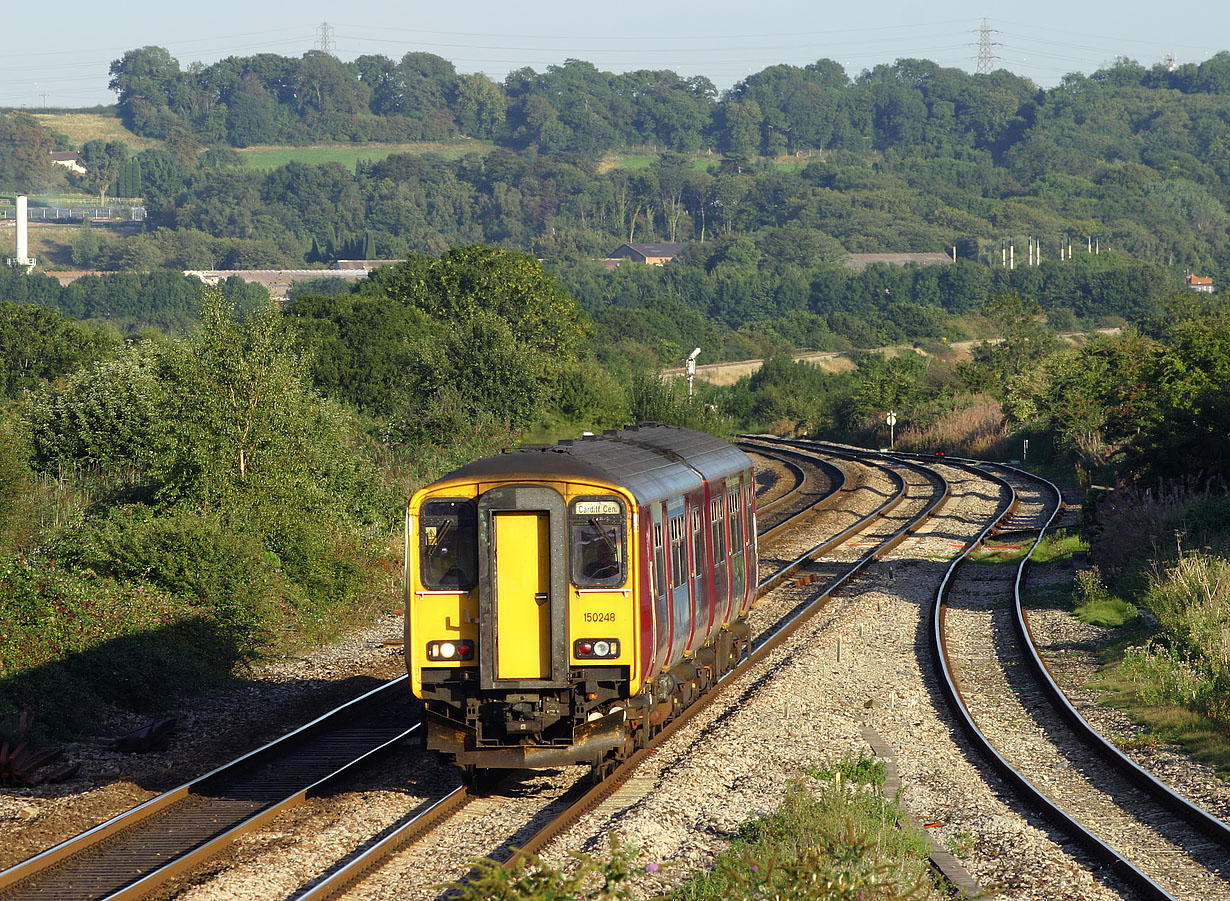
x=1200, y=283
x=652, y=254
x=860, y=261
x=68, y=160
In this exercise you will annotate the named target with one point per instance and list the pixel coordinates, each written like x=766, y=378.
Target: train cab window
x=679, y=553
x=448, y=544
x=597, y=534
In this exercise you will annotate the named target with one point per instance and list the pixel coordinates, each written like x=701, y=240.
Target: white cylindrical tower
x=23, y=239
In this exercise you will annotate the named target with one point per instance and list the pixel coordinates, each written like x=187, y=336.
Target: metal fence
x=69, y=213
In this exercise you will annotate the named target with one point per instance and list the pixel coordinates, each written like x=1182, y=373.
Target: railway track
x=907, y=496
x=131, y=854
x=1142, y=834
x=529, y=802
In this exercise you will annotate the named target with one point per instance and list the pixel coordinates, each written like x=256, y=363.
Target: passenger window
x=659, y=577
x=679, y=554
x=448, y=532
x=698, y=543
x=737, y=539
x=598, y=558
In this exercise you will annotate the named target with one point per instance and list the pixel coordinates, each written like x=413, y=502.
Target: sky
x=61, y=59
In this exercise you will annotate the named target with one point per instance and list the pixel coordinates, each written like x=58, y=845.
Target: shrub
x=530, y=877
x=195, y=558
x=1191, y=600
x=1132, y=523
x=16, y=484
x=1164, y=676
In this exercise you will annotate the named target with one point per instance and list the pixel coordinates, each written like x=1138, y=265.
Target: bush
x=16, y=482
x=193, y=557
x=1163, y=676
x=48, y=612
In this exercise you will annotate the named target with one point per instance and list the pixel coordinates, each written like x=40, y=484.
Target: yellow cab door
x=522, y=594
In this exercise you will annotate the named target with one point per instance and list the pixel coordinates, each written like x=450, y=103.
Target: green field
x=273, y=156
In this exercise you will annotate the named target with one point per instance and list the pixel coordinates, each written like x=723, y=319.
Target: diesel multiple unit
x=563, y=602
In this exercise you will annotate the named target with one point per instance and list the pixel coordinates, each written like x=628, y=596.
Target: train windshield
x=449, y=544
x=598, y=558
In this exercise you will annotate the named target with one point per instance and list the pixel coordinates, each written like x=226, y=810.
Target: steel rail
x=370, y=858
x=1191, y=813
x=760, y=651
x=800, y=482
x=219, y=806
x=837, y=479
x=1100, y=850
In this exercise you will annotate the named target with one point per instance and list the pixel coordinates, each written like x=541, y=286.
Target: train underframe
x=590, y=721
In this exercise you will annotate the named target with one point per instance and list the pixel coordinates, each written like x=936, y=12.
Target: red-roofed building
x=1200, y=283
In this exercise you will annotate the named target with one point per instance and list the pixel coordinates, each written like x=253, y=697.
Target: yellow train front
x=564, y=602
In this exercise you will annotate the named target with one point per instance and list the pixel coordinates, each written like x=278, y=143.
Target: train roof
x=651, y=461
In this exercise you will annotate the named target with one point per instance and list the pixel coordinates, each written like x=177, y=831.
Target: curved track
x=1147, y=836
x=787, y=614
x=166, y=837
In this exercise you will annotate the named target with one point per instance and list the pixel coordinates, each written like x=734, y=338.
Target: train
x=564, y=602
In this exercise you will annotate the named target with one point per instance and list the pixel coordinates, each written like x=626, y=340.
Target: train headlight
x=450, y=650
x=596, y=648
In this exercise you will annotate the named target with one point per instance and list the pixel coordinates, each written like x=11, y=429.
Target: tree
x=38, y=345
x=103, y=161
x=25, y=154
x=236, y=386
x=1024, y=343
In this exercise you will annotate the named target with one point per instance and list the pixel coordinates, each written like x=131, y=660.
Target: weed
x=530, y=877
x=860, y=769
x=962, y=843
x=829, y=840
x=1094, y=604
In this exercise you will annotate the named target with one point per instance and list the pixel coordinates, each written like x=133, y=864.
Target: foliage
x=530, y=877
x=1096, y=605
x=15, y=483
x=25, y=154
x=860, y=769
x=655, y=399
x=829, y=841
x=196, y=558
x=106, y=414
x=37, y=345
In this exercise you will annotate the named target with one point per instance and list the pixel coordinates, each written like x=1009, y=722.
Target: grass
x=831, y=840
x=1205, y=740
x=268, y=157
x=860, y=769
x=1055, y=547
x=704, y=162
x=82, y=127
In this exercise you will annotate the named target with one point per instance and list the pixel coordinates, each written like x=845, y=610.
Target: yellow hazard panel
x=522, y=595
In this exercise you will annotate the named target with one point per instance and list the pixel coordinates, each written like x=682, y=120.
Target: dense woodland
x=238, y=468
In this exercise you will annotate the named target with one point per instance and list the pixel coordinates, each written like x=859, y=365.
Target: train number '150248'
x=608, y=617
